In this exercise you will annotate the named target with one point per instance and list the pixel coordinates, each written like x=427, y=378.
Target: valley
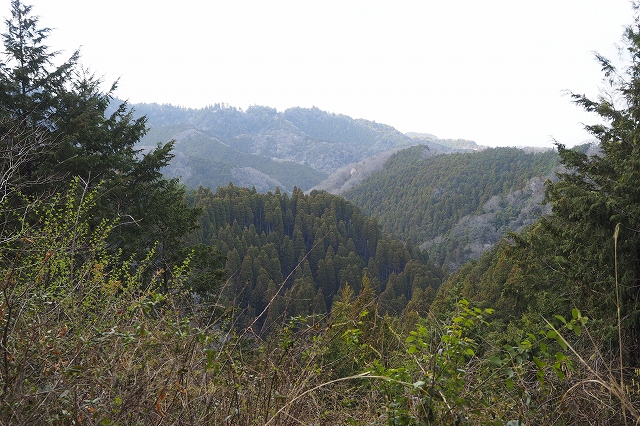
x=168, y=265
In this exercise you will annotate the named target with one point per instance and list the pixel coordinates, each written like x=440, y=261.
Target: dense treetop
x=311, y=245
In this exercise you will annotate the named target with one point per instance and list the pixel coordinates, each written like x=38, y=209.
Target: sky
x=493, y=71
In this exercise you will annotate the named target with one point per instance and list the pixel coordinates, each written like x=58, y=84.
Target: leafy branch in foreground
x=69, y=309
x=89, y=338
x=453, y=374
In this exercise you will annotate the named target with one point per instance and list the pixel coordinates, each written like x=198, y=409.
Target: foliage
x=86, y=338
x=294, y=254
x=69, y=309
x=456, y=373
x=54, y=126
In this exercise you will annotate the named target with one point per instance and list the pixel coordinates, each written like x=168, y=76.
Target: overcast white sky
x=493, y=71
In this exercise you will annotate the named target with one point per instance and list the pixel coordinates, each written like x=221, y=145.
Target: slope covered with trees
x=424, y=197
x=205, y=160
x=291, y=255
x=353, y=174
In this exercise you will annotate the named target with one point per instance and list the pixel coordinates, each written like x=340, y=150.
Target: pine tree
x=55, y=125
x=596, y=203
x=31, y=89
x=65, y=103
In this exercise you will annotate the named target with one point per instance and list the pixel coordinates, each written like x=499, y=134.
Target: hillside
x=311, y=245
x=353, y=174
x=208, y=161
x=261, y=147
x=456, y=205
x=311, y=149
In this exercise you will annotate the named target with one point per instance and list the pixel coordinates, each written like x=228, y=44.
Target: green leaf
x=558, y=369
x=561, y=318
x=539, y=363
x=561, y=342
x=510, y=383
x=495, y=360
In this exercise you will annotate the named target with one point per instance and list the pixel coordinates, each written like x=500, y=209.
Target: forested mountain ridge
x=204, y=160
x=292, y=255
x=352, y=174
x=312, y=149
x=265, y=148
x=457, y=205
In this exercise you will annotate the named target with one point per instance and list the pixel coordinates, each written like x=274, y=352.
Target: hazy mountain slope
x=479, y=231
x=353, y=174
x=451, y=144
x=458, y=205
x=208, y=161
x=297, y=147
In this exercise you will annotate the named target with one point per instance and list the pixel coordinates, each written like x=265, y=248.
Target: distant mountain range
x=265, y=149
x=457, y=205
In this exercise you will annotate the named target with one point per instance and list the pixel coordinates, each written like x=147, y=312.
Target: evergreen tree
x=31, y=89
x=66, y=103
x=586, y=255
x=56, y=118
x=597, y=201
x=318, y=259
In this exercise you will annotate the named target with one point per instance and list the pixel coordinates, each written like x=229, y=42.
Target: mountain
x=353, y=174
x=262, y=147
x=450, y=196
x=205, y=160
x=456, y=205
